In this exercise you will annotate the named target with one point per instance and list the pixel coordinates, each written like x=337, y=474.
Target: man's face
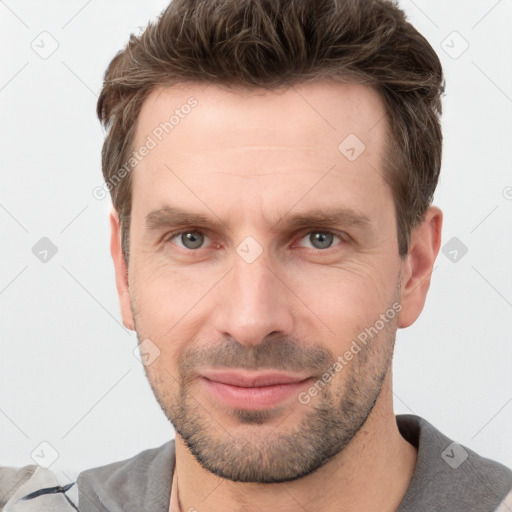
x=294, y=257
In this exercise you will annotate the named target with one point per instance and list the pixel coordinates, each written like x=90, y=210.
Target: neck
x=372, y=473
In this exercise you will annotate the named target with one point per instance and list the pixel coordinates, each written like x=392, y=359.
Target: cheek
x=171, y=304
x=344, y=300
x=175, y=305
x=164, y=293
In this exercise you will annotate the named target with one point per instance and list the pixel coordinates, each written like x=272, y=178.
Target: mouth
x=253, y=390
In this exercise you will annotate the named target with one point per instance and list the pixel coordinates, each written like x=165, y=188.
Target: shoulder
x=142, y=482
x=32, y=488
x=449, y=475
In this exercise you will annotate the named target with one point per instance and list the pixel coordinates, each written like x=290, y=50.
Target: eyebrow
x=171, y=216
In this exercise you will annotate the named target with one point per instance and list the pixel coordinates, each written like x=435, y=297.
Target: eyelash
x=342, y=237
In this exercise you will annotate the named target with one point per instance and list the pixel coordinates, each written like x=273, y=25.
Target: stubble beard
x=259, y=450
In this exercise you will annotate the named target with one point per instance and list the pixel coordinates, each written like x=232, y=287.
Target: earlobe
x=418, y=266
x=121, y=271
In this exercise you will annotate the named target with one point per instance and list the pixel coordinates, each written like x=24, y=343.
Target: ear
x=121, y=269
x=418, y=264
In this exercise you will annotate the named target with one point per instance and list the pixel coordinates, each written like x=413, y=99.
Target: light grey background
x=68, y=375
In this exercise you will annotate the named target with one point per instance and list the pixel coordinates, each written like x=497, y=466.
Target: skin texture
x=250, y=161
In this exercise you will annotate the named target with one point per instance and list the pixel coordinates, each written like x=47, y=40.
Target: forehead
x=320, y=113
x=212, y=142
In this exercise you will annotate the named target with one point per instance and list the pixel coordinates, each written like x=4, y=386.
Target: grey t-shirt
x=448, y=477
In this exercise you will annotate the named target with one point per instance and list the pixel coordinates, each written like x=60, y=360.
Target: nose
x=255, y=303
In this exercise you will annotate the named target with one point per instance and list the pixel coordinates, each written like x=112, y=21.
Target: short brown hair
x=275, y=43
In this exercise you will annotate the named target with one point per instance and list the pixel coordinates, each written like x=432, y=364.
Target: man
x=272, y=167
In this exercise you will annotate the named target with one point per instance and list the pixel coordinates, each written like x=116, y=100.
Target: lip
x=253, y=390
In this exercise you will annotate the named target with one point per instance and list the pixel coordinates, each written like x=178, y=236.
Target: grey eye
x=321, y=239
x=191, y=239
